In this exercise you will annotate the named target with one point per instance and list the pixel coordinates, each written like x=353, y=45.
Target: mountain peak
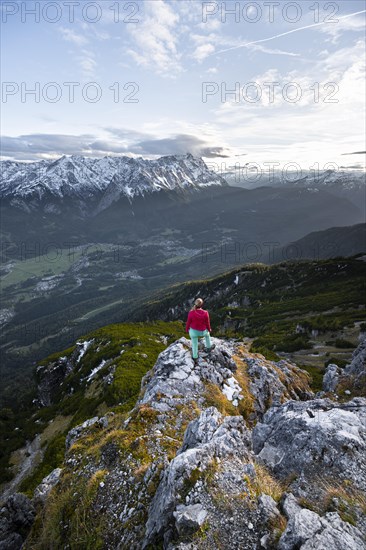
x=89, y=179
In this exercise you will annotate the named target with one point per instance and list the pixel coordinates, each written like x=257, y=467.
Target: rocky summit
x=235, y=452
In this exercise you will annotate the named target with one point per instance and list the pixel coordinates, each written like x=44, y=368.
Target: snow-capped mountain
x=349, y=184
x=341, y=179
x=106, y=179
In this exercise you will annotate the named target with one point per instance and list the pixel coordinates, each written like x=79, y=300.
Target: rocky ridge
x=234, y=453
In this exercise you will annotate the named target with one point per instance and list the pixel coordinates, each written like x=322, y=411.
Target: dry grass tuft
x=215, y=398
x=264, y=482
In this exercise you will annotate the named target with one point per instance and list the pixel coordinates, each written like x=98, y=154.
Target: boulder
x=354, y=375
x=271, y=383
x=313, y=439
x=331, y=377
x=306, y=530
x=44, y=488
x=268, y=508
x=189, y=518
x=300, y=528
x=357, y=365
x=290, y=505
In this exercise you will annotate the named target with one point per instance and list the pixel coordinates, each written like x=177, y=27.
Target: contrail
x=284, y=33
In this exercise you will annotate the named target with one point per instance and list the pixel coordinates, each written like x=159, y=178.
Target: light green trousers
x=195, y=334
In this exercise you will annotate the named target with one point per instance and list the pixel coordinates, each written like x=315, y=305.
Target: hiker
x=198, y=324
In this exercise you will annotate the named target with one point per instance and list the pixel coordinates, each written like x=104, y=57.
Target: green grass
x=316, y=374
x=69, y=515
x=141, y=343
x=41, y=265
x=341, y=343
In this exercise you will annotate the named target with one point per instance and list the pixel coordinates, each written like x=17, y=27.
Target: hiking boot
x=208, y=350
x=195, y=361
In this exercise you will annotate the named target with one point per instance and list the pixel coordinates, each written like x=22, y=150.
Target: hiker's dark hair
x=198, y=303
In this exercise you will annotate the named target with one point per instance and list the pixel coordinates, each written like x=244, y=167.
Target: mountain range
x=94, y=184
x=349, y=184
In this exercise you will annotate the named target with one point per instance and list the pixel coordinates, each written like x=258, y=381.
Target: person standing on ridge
x=198, y=325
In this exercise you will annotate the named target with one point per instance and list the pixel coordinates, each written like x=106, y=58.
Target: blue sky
x=296, y=70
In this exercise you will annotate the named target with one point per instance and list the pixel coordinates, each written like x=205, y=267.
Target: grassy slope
x=79, y=399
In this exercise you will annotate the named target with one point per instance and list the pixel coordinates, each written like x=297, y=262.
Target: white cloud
x=155, y=39
x=84, y=57
x=95, y=34
x=87, y=62
x=71, y=36
x=338, y=75
x=201, y=52
x=306, y=129
x=210, y=25
x=335, y=30
x=117, y=142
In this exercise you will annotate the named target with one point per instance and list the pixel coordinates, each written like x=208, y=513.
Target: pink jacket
x=198, y=319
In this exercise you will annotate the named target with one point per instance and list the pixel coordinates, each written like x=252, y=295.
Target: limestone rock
x=165, y=474
x=189, y=518
x=271, y=383
x=289, y=440
x=331, y=377
x=354, y=374
x=290, y=505
x=230, y=437
x=50, y=378
x=42, y=491
x=306, y=530
x=358, y=363
x=268, y=508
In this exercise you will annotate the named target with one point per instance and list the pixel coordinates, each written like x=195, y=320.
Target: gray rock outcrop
x=353, y=376
x=44, y=488
x=358, y=363
x=50, y=378
x=189, y=518
x=206, y=438
x=175, y=378
x=313, y=438
x=271, y=383
x=306, y=530
x=331, y=378
x=75, y=433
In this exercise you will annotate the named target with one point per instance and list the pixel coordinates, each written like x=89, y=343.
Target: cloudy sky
x=234, y=82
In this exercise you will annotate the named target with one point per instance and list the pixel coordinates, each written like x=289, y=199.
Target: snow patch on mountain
x=109, y=177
